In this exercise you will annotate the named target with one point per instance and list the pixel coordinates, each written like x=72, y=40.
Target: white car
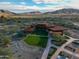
x=62, y=57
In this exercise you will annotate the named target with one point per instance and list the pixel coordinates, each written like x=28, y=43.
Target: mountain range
x=65, y=11
x=61, y=11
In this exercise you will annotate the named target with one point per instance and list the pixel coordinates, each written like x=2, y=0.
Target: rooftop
x=56, y=28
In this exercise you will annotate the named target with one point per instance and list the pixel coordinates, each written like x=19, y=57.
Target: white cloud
x=5, y=3
x=74, y=4
x=46, y=1
x=64, y=3
x=51, y=8
x=23, y=7
x=23, y=3
x=38, y=1
x=15, y=7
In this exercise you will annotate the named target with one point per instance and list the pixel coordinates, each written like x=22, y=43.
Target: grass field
x=39, y=37
x=36, y=40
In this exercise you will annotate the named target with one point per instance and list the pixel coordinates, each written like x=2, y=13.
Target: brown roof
x=29, y=28
x=51, y=26
x=42, y=25
x=57, y=28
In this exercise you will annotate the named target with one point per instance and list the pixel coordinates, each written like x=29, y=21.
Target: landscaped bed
x=36, y=40
x=51, y=52
x=58, y=43
x=58, y=40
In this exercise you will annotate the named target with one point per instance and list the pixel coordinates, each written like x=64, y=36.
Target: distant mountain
x=58, y=13
x=31, y=13
x=6, y=12
x=64, y=11
x=61, y=11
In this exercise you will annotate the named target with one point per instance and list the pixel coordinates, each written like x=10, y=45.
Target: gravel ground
x=24, y=51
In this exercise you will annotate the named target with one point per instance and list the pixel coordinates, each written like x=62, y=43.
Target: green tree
x=58, y=38
x=6, y=40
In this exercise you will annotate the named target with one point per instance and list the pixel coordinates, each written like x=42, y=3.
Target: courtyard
x=39, y=37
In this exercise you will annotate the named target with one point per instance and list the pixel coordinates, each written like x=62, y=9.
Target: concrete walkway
x=62, y=48
x=59, y=49
x=71, y=53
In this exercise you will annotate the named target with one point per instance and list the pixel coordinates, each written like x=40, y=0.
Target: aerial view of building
x=39, y=29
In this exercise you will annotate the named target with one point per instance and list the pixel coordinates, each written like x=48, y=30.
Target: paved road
x=46, y=51
x=62, y=48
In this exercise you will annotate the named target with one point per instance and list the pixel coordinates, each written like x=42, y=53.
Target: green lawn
x=36, y=40
x=39, y=37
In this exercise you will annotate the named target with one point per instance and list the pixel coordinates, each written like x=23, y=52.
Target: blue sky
x=35, y=5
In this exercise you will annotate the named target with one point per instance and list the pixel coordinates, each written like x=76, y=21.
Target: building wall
x=57, y=33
